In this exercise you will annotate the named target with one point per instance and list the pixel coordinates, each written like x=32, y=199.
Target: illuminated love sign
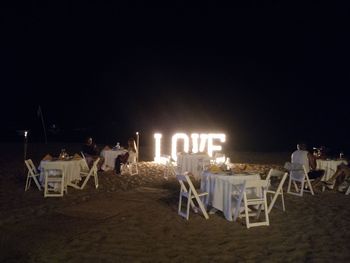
x=199, y=143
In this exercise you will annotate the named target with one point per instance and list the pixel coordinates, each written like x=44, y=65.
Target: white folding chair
x=237, y=197
x=131, y=165
x=85, y=166
x=32, y=174
x=54, y=181
x=92, y=172
x=275, y=193
x=298, y=174
x=254, y=201
x=187, y=190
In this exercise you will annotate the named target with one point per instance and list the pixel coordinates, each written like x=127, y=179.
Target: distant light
x=137, y=133
x=25, y=134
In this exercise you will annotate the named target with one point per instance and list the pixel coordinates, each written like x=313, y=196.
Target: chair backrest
x=258, y=183
x=237, y=193
x=186, y=184
x=85, y=164
x=132, y=157
x=297, y=171
x=274, y=173
x=31, y=167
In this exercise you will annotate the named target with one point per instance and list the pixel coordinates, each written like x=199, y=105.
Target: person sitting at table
x=123, y=158
x=91, y=152
x=304, y=157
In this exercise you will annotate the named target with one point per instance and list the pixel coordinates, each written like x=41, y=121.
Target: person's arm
x=312, y=161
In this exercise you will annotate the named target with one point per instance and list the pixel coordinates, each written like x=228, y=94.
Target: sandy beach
x=134, y=219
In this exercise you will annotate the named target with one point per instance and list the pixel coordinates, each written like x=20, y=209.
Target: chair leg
x=309, y=184
x=237, y=208
x=266, y=212
x=85, y=182
x=188, y=207
x=27, y=184
x=46, y=187
x=246, y=215
x=96, y=181
x=37, y=183
x=289, y=185
x=180, y=203
x=296, y=186
x=282, y=197
x=272, y=202
x=201, y=206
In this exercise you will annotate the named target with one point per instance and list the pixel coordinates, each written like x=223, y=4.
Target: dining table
x=192, y=163
x=109, y=158
x=219, y=187
x=329, y=166
x=71, y=169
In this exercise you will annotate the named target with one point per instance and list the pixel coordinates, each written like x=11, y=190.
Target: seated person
x=124, y=158
x=342, y=173
x=91, y=152
x=303, y=156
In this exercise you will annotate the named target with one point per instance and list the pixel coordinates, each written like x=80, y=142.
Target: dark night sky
x=266, y=74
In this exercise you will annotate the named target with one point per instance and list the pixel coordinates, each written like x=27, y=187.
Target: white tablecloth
x=193, y=163
x=71, y=169
x=330, y=166
x=219, y=187
x=109, y=158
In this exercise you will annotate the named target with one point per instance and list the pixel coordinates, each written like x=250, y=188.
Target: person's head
x=89, y=140
x=301, y=146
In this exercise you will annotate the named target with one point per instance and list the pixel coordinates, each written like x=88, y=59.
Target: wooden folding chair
x=237, y=198
x=32, y=174
x=298, y=174
x=275, y=193
x=254, y=201
x=188, y=191
x=131, y=165
x=92, y=172
x=54, y=181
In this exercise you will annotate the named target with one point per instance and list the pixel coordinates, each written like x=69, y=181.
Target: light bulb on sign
x=174, y=140
x=157, y=137
x=215, y=148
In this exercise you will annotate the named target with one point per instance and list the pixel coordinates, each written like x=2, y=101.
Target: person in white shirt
x=303, y=156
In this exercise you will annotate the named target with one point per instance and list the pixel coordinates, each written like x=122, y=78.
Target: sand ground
x=134, y=219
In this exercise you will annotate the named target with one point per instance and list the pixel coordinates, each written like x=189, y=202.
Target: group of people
x=304, y=157
x=92, y=152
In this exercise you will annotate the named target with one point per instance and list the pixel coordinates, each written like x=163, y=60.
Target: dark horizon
x=268, y=75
